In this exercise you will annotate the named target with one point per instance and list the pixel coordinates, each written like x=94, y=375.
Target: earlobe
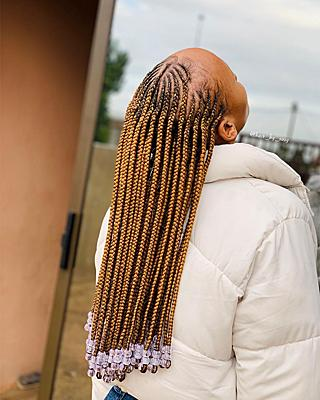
x=227, y=130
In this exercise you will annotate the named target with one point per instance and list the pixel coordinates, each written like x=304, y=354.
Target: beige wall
x=45, y=50
x=97, y=201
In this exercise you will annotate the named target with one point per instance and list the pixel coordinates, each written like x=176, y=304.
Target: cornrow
x=164, y=151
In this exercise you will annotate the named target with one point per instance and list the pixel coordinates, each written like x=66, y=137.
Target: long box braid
x=163, y=154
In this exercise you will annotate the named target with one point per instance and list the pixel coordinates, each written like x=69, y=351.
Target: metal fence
x=303, y=156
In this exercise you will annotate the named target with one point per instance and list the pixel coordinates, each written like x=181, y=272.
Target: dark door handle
x=66, y=240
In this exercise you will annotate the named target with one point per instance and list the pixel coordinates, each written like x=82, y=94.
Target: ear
x=227, y=130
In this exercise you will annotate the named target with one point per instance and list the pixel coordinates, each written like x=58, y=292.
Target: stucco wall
x=45, y=50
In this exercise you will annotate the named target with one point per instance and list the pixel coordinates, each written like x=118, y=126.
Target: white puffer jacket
x=247, y=322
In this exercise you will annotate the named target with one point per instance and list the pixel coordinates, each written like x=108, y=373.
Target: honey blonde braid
x=164, y=151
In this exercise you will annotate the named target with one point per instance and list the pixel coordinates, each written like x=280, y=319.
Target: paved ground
x=72, y=381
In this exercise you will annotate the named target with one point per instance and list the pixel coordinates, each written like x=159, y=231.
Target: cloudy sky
x=271, y=45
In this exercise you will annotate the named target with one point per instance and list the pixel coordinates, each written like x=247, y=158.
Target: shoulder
x=284, y=202
x=234, y=216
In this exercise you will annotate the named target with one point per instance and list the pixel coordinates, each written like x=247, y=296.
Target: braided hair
x=164, y=150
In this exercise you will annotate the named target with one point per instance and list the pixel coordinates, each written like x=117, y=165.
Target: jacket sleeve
x=277, y=323
x=101, y=242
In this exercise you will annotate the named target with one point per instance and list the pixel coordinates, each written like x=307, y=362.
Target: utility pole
x=292, y=119
x=197, y=37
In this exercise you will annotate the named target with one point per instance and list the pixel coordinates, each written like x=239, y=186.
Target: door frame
x=91, y=101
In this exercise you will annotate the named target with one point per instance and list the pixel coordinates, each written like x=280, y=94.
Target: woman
x=206, y=275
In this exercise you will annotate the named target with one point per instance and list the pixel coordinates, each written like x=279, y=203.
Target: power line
x=292, y=119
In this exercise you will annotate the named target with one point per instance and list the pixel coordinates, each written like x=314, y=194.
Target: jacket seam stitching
x=265, y=196
x=215, y=265
x=277, y=345
x=247, y=276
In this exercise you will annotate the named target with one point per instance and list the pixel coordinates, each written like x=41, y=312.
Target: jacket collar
x=243, y=160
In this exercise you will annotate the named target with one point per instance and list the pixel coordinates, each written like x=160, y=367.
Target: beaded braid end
x=116, y=363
